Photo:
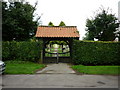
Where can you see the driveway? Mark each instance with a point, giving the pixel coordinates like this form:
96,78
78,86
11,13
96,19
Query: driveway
59,76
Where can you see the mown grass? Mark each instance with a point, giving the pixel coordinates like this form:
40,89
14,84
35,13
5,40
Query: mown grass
59,51
22,67
53,55
102,70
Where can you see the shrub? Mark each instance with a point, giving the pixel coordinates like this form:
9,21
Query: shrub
95,52
5,50
25,50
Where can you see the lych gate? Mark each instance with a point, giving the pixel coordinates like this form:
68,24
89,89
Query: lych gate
57,42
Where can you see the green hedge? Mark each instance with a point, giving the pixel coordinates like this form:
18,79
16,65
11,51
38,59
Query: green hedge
25,50
96,53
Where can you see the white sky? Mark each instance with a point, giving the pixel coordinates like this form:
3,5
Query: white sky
72,12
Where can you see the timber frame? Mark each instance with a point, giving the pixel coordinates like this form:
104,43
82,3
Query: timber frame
68,40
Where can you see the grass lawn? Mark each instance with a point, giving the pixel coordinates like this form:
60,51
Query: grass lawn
22,67
59,51
104,70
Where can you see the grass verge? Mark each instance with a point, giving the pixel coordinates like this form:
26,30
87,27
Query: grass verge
102,70
22,67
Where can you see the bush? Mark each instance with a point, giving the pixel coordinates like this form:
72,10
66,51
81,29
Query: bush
25,50
95,53
5,50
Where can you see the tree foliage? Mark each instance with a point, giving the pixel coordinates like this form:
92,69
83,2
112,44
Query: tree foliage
62,23
102,27
17,21
50,24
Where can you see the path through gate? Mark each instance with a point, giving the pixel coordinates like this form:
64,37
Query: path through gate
57,52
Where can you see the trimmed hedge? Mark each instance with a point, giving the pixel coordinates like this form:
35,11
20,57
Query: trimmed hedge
25,51
95,53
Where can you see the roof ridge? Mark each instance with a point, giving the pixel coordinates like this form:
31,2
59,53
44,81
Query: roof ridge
58,26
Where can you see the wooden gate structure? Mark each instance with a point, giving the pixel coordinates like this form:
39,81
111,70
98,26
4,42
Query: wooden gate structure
57,33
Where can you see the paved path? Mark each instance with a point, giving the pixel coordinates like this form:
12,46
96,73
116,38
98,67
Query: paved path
59,76
61,68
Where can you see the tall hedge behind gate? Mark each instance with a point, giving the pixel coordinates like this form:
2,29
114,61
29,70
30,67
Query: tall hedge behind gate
96,53
26,51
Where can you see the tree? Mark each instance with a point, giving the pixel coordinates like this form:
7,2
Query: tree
88,36
102,27
17,21
62,23
50,24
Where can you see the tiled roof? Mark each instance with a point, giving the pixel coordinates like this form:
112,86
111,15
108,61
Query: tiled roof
57,31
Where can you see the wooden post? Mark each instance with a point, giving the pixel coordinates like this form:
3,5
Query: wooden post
41,59
57,57
50,47
70,45
43,54
62,47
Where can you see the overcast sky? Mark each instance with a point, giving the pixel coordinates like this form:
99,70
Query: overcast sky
72,12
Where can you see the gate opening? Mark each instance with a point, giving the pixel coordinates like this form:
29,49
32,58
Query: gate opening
57,51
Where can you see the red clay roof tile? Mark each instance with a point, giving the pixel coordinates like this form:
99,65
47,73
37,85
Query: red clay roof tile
57,31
